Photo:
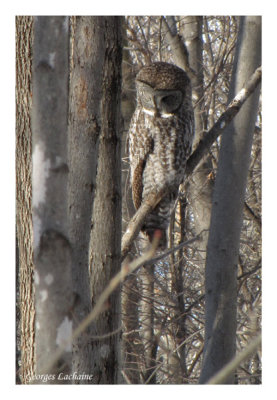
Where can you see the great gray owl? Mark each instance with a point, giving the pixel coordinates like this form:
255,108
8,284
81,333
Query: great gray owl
160,139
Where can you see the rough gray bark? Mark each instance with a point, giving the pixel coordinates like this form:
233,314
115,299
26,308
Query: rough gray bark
105,254
52,251
84,123
227,210
24,230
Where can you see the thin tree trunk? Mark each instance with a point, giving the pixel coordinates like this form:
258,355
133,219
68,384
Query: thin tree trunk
227,211
52,250
105,246
179,315
132,347
24,230
147,323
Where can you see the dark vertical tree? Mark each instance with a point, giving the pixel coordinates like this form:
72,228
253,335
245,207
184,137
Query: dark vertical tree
105,254
84,129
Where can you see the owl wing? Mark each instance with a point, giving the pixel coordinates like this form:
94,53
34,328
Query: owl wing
141,145
137,183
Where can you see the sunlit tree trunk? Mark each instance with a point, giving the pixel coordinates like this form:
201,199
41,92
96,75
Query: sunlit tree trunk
227,210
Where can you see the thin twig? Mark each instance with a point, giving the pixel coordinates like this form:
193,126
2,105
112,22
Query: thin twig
105,336
174,249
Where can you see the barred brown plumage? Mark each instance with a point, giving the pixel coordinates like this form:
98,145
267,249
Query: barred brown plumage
160,139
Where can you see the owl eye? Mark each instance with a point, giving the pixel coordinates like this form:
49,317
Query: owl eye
169,102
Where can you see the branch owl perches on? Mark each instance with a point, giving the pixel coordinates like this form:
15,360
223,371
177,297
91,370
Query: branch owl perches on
160,140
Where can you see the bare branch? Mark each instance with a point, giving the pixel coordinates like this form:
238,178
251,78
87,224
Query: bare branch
126,377
224,120
174,249
136,222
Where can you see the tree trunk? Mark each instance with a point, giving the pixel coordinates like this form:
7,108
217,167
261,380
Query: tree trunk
227,211
105,254
52,251
85,122
24,229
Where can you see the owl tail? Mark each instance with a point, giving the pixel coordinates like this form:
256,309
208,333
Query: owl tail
159,219
151,232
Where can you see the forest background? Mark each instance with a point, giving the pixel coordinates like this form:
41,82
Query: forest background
264,164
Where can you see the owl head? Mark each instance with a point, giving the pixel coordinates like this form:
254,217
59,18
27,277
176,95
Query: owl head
162,89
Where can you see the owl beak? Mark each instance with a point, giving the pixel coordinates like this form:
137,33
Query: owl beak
156,108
